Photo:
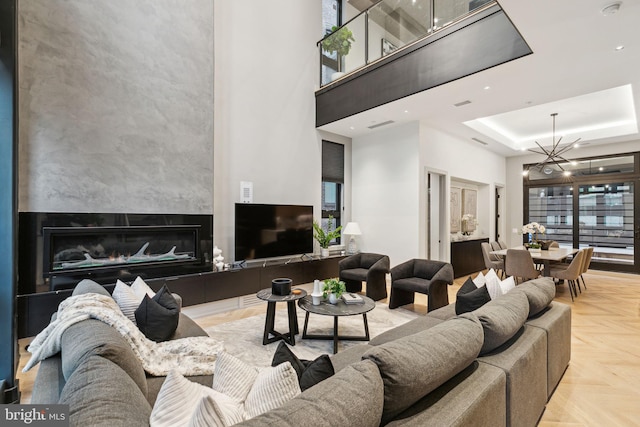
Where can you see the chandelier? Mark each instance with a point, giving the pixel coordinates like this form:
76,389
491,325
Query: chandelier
554,155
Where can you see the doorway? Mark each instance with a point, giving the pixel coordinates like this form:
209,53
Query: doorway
436,230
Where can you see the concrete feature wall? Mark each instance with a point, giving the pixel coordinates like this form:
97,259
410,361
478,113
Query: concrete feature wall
116,106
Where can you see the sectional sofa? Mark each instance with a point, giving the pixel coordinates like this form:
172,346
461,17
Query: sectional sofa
495,366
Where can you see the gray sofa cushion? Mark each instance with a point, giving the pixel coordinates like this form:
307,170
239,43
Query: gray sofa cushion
99,393
540,292
555,320
413,366
346,357
411,327
443,313
352,397
93,337
524,360
86,286
501,318
474,397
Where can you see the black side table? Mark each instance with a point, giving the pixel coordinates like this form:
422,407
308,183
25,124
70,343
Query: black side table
271,299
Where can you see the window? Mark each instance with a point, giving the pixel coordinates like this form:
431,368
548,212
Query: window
332,183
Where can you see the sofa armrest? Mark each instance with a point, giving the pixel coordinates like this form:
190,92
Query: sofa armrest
49,382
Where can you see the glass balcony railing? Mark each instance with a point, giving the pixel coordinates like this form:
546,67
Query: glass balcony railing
385,27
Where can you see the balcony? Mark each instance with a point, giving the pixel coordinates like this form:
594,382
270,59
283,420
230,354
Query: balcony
397,48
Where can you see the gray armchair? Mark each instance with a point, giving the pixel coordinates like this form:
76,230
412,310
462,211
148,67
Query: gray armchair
366,267
423,276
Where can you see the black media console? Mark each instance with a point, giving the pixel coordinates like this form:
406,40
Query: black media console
35,310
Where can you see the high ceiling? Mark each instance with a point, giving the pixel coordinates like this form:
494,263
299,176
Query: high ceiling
575,71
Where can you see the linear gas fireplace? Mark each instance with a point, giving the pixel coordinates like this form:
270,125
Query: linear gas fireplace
57,250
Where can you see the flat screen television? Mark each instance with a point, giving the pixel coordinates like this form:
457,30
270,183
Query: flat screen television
267,231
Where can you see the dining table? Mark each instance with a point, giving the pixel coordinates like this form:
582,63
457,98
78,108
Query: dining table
545,257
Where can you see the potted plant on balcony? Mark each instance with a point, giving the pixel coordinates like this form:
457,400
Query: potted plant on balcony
323,237
333,288
338,41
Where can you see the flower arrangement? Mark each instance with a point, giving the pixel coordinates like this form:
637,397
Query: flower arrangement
534,228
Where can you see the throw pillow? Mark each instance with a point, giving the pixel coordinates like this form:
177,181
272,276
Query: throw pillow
261,390
140,288
310,372
273,387
126,299
157,318
470,298
493,284
183,402
479,280
507,284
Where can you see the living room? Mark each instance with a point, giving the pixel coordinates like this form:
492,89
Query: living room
155,108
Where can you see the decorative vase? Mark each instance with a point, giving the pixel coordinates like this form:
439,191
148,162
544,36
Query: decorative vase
324,252
333,298
316,295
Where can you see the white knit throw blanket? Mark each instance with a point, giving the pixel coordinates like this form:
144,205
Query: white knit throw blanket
189,356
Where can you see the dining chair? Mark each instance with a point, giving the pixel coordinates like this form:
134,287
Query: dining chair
503,244
492,261
570,273
519,264
585,265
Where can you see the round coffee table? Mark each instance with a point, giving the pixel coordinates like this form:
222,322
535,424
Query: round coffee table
272,299
336,310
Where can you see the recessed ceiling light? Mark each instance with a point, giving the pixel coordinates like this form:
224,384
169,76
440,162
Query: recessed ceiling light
406,111
487,87
600,168
611,9
567,173
351,127
619,48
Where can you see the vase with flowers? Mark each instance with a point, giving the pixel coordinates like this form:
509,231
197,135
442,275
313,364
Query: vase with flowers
532,229
468,224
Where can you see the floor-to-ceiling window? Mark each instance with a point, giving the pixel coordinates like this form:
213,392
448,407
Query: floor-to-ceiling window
597,205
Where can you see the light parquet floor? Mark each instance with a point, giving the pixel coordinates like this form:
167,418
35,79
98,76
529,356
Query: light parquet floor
600,386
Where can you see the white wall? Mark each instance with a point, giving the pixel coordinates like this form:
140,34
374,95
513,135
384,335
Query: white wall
468,164
513,191
386,181
266,71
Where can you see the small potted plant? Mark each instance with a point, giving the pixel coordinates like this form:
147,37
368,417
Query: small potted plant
323,237
333,288
339,41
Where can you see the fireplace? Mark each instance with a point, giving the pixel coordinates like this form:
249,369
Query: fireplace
56,250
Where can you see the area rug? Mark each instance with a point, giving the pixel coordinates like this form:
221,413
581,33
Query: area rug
243,338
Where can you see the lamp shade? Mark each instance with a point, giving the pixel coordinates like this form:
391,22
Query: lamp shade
352,229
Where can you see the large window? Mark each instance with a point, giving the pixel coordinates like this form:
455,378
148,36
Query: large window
332,183
596,206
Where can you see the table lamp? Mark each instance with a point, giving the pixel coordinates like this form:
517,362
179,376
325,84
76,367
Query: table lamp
352,229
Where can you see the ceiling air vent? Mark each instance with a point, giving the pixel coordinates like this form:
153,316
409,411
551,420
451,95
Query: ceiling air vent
479,141
377,125
461,103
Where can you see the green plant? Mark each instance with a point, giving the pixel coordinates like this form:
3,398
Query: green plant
325,237
338,41
333,286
